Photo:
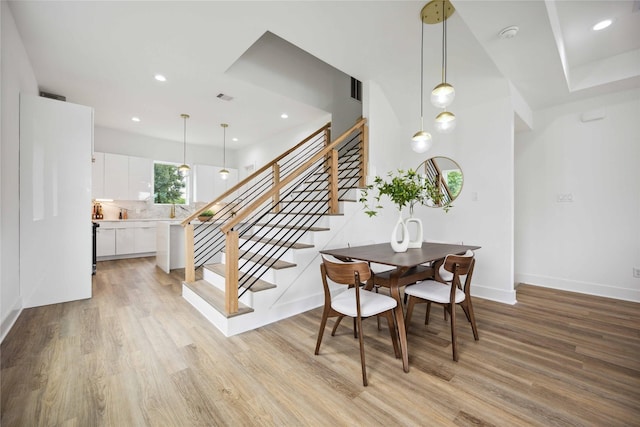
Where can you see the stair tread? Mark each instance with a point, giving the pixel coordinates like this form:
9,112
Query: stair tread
215,297
295,245
265,260
259,285
294,227
309,213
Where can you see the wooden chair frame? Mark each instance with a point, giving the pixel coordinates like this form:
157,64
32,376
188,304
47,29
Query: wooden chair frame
459,266
351,274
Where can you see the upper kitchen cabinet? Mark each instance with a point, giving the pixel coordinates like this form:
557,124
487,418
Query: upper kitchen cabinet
116,176
97,176
120,177
140,178
207,184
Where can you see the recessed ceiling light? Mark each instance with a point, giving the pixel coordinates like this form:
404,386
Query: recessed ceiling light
135,119
602,25
284,115
160,78
234,139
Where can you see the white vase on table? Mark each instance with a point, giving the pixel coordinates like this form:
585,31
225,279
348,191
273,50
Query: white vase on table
415,239
402,245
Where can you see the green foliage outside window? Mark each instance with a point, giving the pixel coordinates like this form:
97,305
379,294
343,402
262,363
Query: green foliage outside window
168,185
454,182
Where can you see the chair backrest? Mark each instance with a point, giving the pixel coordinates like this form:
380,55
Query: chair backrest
346,273
461,265
447,274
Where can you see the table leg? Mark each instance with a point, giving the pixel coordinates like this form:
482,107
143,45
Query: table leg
402,333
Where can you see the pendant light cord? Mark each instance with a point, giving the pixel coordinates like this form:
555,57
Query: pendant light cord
184,151
224,147
421,73
444,43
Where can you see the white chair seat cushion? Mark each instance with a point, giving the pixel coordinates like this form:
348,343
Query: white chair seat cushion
370,303
433,291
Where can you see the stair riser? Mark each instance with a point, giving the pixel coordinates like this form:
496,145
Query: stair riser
218,282
270,274
297,220
267,249
279,233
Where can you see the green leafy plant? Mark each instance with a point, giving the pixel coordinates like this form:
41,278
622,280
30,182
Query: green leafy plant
403,188
206,215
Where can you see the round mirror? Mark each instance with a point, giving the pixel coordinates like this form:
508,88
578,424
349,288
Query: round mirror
446,174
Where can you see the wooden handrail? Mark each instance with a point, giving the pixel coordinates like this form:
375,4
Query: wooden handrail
253,175
283,183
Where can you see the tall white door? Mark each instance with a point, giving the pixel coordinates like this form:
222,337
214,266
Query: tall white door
55,201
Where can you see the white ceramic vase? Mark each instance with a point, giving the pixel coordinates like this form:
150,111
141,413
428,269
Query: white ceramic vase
400,246
415,239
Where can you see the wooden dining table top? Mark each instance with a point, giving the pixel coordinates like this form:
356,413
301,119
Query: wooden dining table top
382,253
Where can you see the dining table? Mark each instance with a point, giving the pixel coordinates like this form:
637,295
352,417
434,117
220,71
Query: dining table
409,267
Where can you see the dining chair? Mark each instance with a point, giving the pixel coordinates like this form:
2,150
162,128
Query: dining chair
449,294
375,269
354,302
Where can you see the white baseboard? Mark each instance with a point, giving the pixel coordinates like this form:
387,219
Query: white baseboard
10,319
596,289
493,294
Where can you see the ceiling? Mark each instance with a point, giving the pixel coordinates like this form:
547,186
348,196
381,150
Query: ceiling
105,55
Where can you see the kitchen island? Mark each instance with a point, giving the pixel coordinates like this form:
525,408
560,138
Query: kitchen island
169,245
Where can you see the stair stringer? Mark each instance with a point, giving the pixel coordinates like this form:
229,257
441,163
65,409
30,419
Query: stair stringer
298,289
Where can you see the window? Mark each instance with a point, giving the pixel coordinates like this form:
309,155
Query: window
168,185
356,89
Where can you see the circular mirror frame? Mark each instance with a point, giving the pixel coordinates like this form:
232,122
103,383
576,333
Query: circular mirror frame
434,169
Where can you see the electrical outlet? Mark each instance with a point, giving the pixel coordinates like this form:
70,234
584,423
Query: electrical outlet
636,273
564,198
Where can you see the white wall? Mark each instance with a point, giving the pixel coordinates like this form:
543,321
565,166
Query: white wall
17,76
270,148
483,146
119,142
590,244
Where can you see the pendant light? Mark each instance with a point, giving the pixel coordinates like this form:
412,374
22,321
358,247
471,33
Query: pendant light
184,168
224,173
443,94
421,140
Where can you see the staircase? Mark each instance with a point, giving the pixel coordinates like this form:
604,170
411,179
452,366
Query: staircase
259,257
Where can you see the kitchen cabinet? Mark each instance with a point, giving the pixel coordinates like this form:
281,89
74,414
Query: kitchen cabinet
116,176
120,177
207,184
97,176
125,239
140,178
145,237
105,241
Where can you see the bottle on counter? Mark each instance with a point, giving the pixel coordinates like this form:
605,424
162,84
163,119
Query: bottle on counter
125,215
120,214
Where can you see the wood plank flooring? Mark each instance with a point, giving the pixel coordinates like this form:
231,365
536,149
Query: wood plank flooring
137,354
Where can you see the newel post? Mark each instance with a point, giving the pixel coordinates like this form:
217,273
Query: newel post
333,182
231,273
189,262
364,155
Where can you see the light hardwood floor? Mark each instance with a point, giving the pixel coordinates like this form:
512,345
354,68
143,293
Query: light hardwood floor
137,354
